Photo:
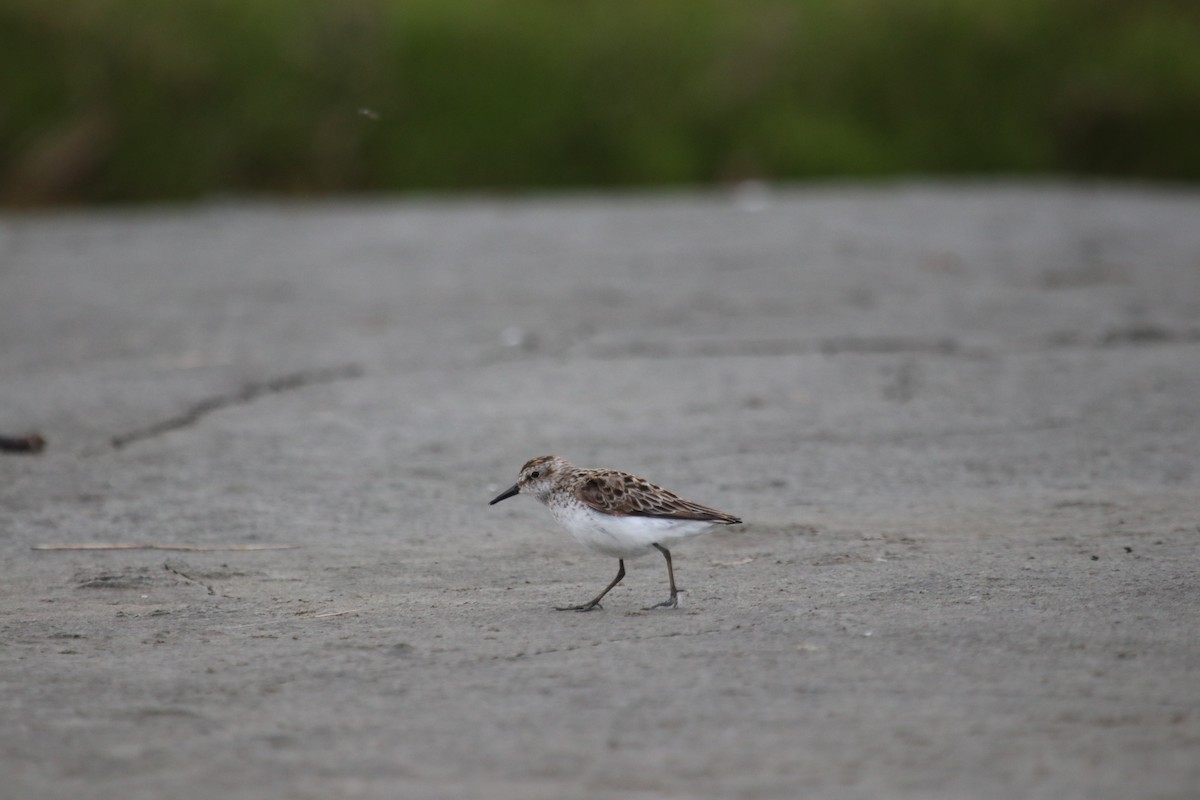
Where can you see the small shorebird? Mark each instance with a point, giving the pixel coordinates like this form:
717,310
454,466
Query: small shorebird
614,513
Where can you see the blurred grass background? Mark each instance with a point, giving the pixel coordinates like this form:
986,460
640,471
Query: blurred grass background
143,100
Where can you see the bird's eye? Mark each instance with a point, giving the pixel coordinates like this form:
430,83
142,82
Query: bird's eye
535,474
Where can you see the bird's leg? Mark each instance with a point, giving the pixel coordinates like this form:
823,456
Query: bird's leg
595,603
673,600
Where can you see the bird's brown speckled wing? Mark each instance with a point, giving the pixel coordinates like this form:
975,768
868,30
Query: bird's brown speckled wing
624,495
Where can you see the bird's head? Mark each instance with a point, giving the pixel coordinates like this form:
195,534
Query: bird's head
538,477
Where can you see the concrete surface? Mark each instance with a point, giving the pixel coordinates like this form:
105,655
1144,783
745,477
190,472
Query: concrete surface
962,423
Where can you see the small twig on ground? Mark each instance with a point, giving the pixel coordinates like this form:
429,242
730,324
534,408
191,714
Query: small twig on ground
167,566
192,548
29,443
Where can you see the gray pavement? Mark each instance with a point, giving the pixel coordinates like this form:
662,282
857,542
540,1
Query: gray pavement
962,423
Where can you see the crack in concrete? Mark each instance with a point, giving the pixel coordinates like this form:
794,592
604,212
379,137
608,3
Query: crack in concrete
248,393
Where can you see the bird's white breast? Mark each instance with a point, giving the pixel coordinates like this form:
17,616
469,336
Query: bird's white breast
622,537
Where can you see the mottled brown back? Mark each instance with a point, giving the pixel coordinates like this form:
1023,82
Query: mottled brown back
621,494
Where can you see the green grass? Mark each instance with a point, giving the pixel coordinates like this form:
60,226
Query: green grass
138,100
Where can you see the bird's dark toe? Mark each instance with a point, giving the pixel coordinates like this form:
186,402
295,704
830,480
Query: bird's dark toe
584,607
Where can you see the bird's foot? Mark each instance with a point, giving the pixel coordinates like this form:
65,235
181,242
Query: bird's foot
585,607
670,602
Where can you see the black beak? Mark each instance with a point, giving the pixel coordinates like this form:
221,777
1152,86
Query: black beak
506,494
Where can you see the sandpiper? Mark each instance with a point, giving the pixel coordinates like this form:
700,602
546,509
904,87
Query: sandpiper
614,513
